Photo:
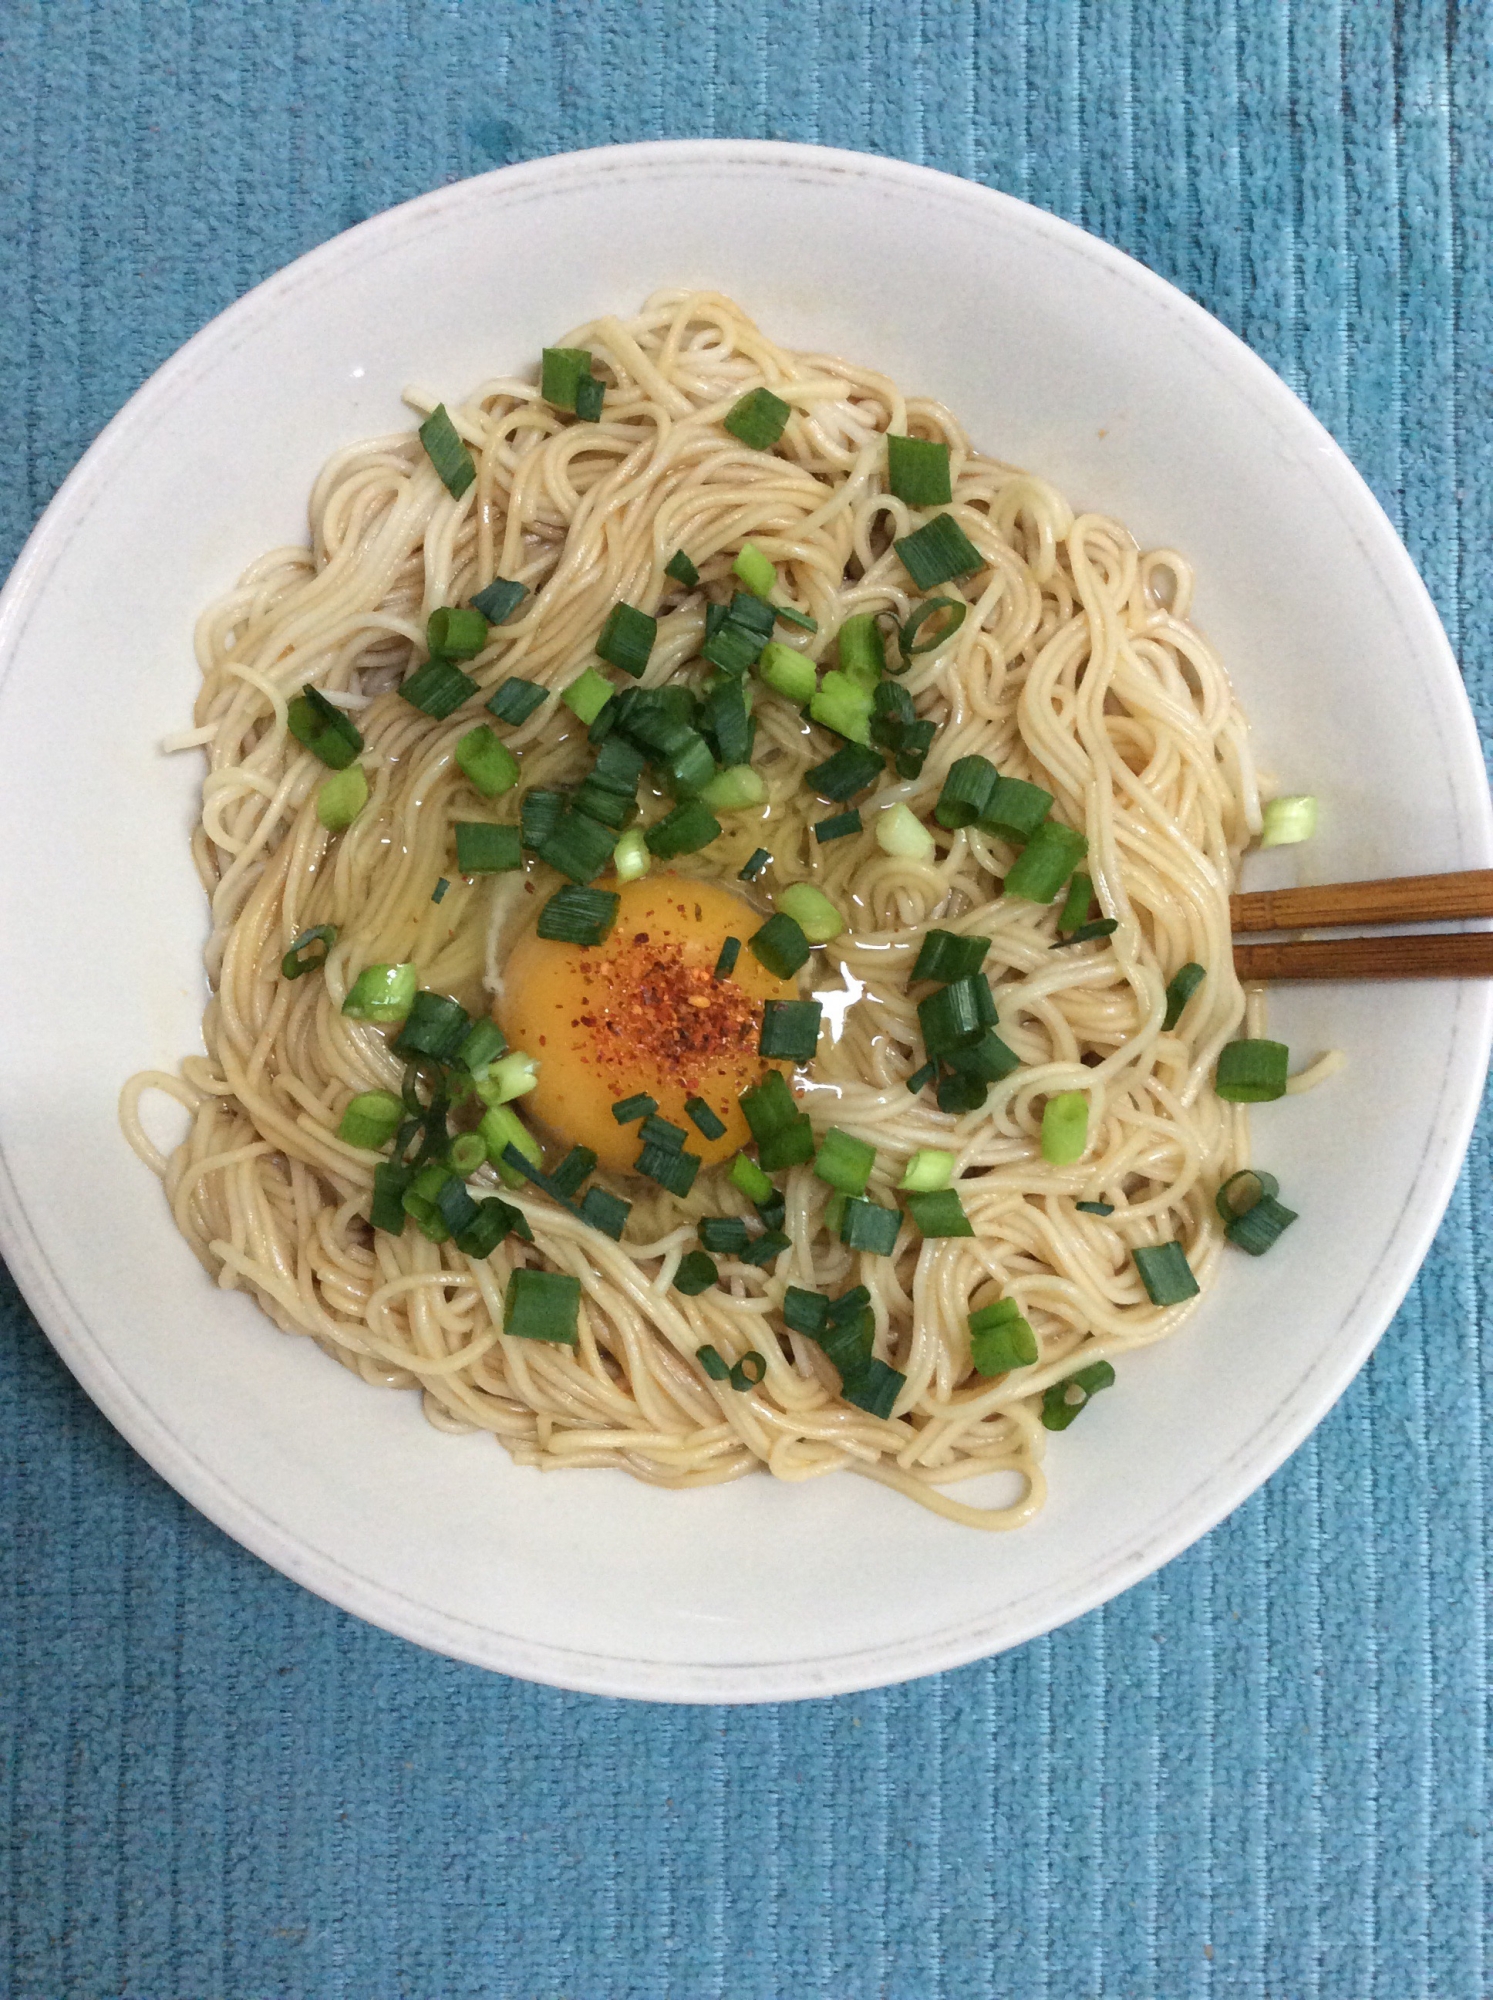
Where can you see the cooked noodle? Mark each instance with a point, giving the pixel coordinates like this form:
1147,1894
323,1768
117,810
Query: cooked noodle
1075,668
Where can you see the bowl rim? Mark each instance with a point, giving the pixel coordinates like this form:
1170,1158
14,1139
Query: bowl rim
1218,1493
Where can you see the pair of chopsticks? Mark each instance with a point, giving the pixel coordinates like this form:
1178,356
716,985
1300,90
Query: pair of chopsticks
1412,899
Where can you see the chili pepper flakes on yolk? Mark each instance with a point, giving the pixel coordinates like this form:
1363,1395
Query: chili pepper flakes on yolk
643,1012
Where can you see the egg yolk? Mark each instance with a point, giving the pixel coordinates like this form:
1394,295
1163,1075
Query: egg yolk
643,1012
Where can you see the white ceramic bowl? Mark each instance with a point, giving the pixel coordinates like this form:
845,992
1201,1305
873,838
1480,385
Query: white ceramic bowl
1058,353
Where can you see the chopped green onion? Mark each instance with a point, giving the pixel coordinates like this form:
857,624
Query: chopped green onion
813,912
371,1119
514,700
1101,927
852,769
755,571
324,729
893,712
790,1029
542,1305
921,1078
438,893
499,600
732,647
630,856
342,797
629,1108
958,1093
485,1042
1165,1273
768,1106
793,1146
732,790
749,1371
573,1169
561,372
949,956
436,1025
929,1169
606,1212
590,394
867,1226
940,1213
682,569
837,826
575,915
455,633
844,1162
656,718
703,1118
299,959
674,1171
780,945
712,1363
446,452
483,849
1095,1207
1062,1401
382,993
767,1249
900,833
987,1059
874,1388
967,791
619,765
748,1178
788,672
1065,1128
521,1162
805,1311
862,649
801,619
726,721
656,1131
956,1014
724,1235
490,765
912,752
1258,1228
951,614
754,865
685,830
612,809
757,418
438,689
843,703
390,1184
421,1201
627,637
848,1304
1251,1072
1288,820
725,965
938,551
1185,982
918,470
1015,809
468,1153
689,766
502,1129
493,1221
511,1076
1242,1191
834,1213
578,846
1080,899
588,695
1001,1339
751,614
1046,862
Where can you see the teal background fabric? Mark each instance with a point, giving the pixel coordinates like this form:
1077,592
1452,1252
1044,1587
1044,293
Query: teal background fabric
1261,1773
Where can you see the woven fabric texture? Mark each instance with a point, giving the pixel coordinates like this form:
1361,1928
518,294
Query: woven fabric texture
1262,1773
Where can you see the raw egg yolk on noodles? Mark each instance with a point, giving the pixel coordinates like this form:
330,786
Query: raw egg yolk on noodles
643,1013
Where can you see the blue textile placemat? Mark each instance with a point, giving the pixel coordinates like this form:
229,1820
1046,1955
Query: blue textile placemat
1262,1773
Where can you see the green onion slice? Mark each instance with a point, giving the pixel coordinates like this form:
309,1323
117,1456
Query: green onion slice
605,1211
515,700
301,958
755,570
324,729
485,849
672,1170
703,1118
712,1363
1062,1402
489,764
790,1030
543,1305
371,1119
1251,1072
837,826
1288,820
1165,1273
929,1169
867,1226
1260,1226
438,689
561,372
757,419
1065,1128
682,569
940,1213
576,915
685,830
937,552
953,616
780,945
1184,983
499,600
754,865
631,1108
813,912
627,637
853,768
749,1370
918,470
446,452
748,1178
948,956
1242,1191
382,993
1046,862
724,1235
844,1162
455,633
725,965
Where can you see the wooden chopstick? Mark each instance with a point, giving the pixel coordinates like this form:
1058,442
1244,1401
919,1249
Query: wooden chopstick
1440,955
1411,899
